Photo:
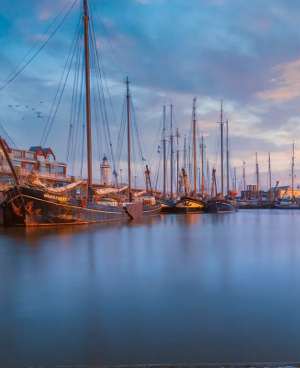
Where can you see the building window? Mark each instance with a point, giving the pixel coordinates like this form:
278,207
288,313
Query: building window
60,169
29,155
29,166
17,153
16,163
42,168
50,157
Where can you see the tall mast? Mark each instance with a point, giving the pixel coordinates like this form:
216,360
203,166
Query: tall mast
87,93
270,177
177,162
164,149
257,178
293,163
190,169
207,176
202,166
9,161
235,178
222,163
128,139
184,153
194,138
227,159
171,151
244,179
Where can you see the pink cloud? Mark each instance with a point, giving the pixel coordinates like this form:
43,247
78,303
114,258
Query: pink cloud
45,14
286,84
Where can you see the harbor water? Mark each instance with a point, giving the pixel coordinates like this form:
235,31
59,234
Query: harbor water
170,289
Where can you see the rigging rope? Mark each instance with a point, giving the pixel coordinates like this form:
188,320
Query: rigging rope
40,49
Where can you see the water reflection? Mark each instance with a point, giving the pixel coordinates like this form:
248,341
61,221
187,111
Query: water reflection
170,289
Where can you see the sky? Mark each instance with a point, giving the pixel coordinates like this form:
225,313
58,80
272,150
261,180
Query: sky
245,53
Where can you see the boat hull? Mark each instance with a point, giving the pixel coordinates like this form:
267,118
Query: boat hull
24,206
286,207
218,205
257,206
185,205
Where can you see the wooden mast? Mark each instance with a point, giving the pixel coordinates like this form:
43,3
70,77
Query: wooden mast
164,149
171,108
235,178
222,163
184,153
227,159
270,177
257,178
194,139
128,139
177,163
202,166
88,94
17,181
244,179
208,177
184,159
293,163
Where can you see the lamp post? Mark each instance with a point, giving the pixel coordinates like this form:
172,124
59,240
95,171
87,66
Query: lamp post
121,175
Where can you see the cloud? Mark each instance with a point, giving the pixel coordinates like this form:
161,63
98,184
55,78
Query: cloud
150,1
286,85
45,14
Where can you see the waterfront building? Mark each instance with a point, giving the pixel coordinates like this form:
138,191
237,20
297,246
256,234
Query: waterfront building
251,192
42,160
105,171
284,192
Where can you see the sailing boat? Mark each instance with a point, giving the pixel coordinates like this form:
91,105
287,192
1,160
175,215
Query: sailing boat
259,204
186,203
286,204
148,205
35,204
218,203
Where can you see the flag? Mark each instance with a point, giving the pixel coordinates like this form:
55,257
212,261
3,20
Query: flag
144,159
115,173
177,134
159,147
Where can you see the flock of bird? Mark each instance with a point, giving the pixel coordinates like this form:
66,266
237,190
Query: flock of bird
38,112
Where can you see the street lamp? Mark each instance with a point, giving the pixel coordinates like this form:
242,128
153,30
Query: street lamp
121,175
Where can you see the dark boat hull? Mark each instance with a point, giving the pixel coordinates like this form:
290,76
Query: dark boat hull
26,206
286,207
219,205
185,205
257,206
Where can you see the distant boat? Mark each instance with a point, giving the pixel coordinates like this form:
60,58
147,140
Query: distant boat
218,203
286,205
258,203
289,204
185,203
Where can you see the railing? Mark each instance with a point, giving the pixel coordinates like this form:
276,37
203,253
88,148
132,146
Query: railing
44,174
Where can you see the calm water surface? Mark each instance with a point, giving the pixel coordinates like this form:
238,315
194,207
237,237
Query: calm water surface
171,289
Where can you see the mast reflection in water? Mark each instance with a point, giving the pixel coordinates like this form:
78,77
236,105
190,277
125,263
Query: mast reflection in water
171,289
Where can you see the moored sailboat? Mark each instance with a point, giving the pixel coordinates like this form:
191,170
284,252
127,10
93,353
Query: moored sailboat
185,203
218,203
34,203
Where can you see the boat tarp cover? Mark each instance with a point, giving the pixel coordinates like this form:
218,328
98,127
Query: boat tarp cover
102,191
139,193
33,180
